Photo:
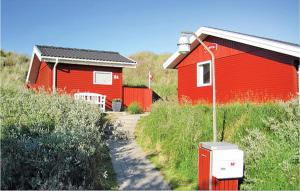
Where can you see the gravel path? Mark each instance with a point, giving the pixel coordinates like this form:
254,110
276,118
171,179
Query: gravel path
134,171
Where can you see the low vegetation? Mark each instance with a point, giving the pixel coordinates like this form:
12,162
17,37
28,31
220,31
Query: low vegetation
267,133
49,141
164,82
134,108
13,69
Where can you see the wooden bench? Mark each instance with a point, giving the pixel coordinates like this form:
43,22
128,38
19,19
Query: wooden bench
93,98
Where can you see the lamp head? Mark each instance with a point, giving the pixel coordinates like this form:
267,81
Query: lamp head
184,44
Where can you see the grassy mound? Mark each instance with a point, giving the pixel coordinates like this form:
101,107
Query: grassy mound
13,69
164,82
267,133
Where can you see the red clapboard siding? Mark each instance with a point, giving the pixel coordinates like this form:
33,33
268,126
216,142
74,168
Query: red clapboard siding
41,75
143,96
242,73
203,168
79,78
44,79
226,184
35,67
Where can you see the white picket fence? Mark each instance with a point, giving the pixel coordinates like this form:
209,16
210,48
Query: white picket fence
93,98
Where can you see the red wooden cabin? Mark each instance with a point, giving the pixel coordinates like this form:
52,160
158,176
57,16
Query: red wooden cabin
247,68
78,70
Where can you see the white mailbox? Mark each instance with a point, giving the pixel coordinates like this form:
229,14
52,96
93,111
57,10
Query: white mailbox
227,163
226,160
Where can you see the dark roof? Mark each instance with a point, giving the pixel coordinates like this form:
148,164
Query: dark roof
98,55
284,42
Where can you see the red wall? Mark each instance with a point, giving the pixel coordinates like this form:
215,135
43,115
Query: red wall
242,73
141,95
44,77
41,75
75,78
78,78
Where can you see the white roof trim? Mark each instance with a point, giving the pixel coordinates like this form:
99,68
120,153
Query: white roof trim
89,62
36,52
203,32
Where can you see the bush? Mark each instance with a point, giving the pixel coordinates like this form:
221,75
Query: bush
267,133
134,108
52,142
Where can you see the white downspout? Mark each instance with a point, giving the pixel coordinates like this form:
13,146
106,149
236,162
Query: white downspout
215,133
54,76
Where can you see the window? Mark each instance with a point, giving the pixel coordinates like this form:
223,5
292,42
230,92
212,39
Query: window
103,78
204,74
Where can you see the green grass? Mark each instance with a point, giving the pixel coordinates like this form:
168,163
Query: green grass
13,70
268,134
134,108
164,82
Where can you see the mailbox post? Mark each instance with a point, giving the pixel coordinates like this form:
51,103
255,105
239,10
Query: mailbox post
220,165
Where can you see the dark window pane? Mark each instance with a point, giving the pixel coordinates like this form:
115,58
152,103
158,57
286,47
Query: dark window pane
206,73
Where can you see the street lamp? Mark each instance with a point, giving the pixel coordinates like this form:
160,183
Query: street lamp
184,46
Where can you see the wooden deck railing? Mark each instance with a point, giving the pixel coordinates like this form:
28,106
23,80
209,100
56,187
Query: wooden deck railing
93,98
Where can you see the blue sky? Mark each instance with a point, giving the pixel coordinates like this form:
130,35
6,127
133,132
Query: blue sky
130,26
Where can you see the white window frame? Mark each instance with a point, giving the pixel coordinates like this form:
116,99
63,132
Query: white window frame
201,76
102,72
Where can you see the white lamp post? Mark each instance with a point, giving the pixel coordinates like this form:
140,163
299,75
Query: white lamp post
184,47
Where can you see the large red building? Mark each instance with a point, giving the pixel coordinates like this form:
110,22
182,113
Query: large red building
78,70
247,68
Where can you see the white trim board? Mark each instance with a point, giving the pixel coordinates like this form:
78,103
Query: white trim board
201,72
203,32
36,52
89,62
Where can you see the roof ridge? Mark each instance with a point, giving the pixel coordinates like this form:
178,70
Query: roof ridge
80,49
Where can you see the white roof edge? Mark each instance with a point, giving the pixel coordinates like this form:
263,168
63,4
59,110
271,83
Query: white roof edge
168,62
202,32
89,62
35,51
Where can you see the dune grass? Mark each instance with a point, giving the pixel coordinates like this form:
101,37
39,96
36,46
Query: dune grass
13,70
164,82
267,133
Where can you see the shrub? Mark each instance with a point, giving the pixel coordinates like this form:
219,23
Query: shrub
134,108
117,100
52,142
267,133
